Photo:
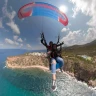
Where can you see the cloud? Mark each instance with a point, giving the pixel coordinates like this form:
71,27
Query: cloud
87,7
9,41
75,10
65,29
14,27
20,40
92,21
91,35
15,37
29,46
79,37
10,16
16,43
74,37
21,45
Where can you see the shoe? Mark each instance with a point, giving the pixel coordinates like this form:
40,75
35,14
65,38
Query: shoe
61,70
54,87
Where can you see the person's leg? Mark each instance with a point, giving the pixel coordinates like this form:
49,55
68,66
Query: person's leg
53,70
61,63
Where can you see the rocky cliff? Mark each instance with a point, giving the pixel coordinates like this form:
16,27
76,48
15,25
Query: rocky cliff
84,71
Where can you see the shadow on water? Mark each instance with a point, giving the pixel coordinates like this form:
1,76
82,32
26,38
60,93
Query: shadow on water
34,80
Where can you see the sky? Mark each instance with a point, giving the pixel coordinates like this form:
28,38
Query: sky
25,34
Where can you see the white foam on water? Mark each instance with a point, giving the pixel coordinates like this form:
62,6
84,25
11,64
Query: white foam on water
69,86
4,67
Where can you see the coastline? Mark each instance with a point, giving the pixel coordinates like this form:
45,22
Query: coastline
28,60
27,67
36,60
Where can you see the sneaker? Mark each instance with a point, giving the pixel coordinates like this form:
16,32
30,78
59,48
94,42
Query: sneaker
61,70
54,87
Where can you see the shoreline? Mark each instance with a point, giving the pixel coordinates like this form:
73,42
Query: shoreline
44,69
31,61
27,67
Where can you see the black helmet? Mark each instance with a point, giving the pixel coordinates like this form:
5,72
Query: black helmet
50,42
54,46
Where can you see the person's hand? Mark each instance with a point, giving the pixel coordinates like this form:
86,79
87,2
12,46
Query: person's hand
62,42
42,35
41,40
49,52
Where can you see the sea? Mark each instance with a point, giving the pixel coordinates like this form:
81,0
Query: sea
36,82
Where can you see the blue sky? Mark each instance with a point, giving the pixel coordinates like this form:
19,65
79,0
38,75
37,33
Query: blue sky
25,34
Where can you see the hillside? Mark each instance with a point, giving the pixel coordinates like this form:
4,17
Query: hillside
87,49
82,68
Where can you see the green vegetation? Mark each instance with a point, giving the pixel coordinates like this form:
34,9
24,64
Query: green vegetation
87,49
83,69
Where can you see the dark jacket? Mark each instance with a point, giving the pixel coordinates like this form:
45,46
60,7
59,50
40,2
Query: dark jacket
56,52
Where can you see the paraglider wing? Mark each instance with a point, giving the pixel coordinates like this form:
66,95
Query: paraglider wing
22,13
42,9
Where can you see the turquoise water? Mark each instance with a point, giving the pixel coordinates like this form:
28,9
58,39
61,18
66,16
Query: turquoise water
24,82
35,82
30,82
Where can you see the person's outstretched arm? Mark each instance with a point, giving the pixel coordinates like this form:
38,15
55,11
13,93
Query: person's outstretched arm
60,44
58,39
43,41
